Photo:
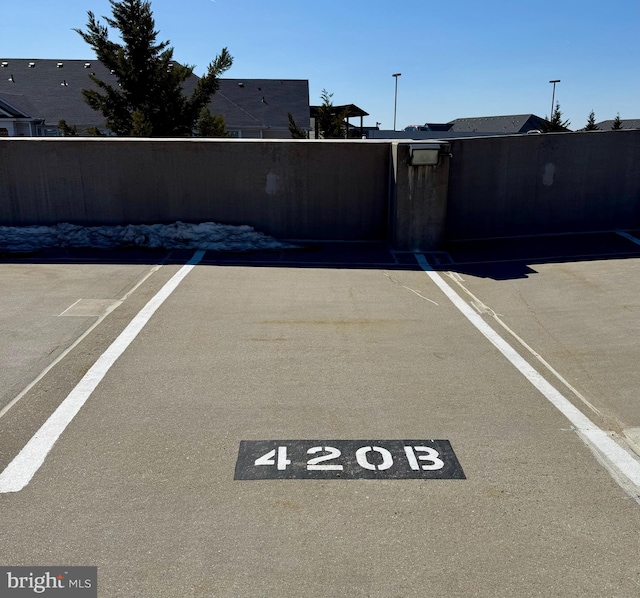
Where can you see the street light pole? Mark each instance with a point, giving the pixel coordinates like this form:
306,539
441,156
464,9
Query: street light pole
395,104
553,96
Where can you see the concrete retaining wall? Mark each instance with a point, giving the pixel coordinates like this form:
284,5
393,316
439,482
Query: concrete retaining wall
292,190
331,190
538,184
418,197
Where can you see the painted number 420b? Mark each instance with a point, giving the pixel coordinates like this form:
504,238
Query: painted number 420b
347,459
418,457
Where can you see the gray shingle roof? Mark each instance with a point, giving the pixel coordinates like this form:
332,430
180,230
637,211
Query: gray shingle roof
251,103
18,106
439,126
628,123
53,93
517,123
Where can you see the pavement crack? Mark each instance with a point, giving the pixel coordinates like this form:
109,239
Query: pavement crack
398,283
485,310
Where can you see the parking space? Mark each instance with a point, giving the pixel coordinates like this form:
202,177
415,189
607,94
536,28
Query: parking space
353,358
45,308
575,312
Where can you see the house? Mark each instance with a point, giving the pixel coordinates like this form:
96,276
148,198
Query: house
15,119
517,124
629,123
259,108
497,125
35,94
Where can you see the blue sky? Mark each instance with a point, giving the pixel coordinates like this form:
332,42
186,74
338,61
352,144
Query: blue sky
458,58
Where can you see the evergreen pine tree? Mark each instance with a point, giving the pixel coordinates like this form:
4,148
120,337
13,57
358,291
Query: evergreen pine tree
556,124
617,123
146,96
591,122
295,130
67,130
140,125
209,125
95,132
331,123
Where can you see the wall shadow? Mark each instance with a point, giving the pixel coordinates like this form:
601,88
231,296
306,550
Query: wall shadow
498,259
504,259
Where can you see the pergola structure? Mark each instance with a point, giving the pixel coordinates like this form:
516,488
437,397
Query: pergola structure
349,110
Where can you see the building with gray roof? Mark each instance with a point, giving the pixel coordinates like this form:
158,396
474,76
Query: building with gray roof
498,125
35,94
260,107
516,124
628,123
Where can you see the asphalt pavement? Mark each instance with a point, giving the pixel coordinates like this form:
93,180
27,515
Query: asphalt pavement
338,420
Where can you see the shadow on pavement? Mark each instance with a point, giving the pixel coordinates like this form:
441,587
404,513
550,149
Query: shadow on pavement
503,259
499,259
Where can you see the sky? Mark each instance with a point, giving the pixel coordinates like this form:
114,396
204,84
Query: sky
457,58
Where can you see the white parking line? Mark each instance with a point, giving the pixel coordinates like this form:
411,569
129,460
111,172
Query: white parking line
623,467
27,462
483,309
71,347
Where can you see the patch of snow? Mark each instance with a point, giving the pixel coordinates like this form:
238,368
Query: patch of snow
179,235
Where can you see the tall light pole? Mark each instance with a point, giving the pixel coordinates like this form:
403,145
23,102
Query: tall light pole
395,103
553,96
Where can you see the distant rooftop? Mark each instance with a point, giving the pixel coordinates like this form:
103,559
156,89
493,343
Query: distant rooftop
51,90
628,123
512,124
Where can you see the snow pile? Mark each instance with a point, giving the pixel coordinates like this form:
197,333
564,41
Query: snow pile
180,235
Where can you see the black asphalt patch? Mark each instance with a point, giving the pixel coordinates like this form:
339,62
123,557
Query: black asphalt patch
347,460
